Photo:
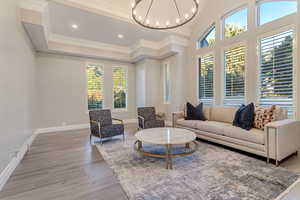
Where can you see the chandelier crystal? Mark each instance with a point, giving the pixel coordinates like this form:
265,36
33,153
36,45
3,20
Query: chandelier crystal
164,14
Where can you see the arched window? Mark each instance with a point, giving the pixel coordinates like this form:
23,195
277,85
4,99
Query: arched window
271,10
208,38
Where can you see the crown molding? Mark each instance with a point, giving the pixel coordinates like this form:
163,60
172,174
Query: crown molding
36,23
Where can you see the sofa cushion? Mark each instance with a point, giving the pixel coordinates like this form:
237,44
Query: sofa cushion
206,112
263,116
222,113
244,117
225,129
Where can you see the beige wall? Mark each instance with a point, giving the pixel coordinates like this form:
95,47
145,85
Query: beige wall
62,88
17,83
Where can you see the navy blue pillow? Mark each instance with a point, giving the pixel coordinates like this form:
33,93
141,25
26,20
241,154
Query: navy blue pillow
244,117
194,113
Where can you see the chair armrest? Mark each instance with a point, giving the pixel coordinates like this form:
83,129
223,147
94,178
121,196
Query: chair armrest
176,116
142,119
95,122
284,136
120,120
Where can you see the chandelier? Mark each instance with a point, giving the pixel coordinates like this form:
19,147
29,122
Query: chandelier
164,14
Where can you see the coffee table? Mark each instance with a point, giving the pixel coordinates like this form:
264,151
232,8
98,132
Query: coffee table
166,137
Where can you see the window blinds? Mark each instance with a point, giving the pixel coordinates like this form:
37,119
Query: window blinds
235,75
119,87
95,86
276,70
206,79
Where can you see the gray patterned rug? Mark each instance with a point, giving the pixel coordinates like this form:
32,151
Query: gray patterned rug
211,173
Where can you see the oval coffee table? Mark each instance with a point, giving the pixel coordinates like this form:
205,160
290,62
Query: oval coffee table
166,137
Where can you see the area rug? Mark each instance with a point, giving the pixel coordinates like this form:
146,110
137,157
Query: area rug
211,173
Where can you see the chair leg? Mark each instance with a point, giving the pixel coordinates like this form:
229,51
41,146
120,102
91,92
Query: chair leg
90,138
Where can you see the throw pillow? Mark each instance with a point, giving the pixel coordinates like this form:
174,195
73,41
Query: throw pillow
237,116
194,113
244,117
263,115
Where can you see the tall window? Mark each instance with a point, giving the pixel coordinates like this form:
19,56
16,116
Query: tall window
236,23
208,38
272,10
120,87
276,70
206,79
95,86
167,83
235,75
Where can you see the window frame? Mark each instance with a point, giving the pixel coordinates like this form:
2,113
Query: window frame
295,61
205,34
86,81
228,14
223,71
167,64
212,53
126,88
258,16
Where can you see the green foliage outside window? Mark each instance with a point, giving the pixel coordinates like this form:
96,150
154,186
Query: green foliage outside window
95,87
119,87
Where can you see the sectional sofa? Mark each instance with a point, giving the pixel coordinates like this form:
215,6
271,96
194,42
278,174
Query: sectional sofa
278,140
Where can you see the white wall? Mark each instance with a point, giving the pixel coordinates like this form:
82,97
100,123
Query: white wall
213,13
62,90
17,83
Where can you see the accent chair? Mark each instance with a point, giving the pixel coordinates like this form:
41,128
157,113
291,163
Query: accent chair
148,119
101,125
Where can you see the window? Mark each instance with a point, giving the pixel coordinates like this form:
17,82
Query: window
95,86
235,75
276,70
120,87
209,38
167,83
272,10
236,23
206,79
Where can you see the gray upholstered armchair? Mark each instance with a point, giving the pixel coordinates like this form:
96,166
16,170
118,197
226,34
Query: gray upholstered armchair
147,118
101,124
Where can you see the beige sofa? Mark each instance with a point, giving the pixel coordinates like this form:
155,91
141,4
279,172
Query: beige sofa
279,140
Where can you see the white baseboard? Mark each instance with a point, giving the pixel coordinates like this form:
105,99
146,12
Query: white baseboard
7,172
74,127
62,128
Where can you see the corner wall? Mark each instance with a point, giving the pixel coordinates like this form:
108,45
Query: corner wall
17,83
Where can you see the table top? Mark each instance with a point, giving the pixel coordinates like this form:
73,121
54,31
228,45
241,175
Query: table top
164,136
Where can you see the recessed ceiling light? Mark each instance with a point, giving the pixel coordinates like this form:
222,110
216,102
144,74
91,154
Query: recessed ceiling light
75,26
120,36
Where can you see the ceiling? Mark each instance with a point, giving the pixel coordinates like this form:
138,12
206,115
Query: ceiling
100,28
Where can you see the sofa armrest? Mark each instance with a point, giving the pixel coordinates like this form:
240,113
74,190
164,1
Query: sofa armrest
284,138
176,116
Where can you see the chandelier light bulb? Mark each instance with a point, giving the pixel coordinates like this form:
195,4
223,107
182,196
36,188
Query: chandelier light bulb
132,4
147,21
193,10
177,20
134,12
167,23
157,23
140,18
186,16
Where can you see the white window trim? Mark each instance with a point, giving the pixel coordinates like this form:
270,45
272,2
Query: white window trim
86,85
228,14
116,110
223,69
164,81
214,78
295,60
